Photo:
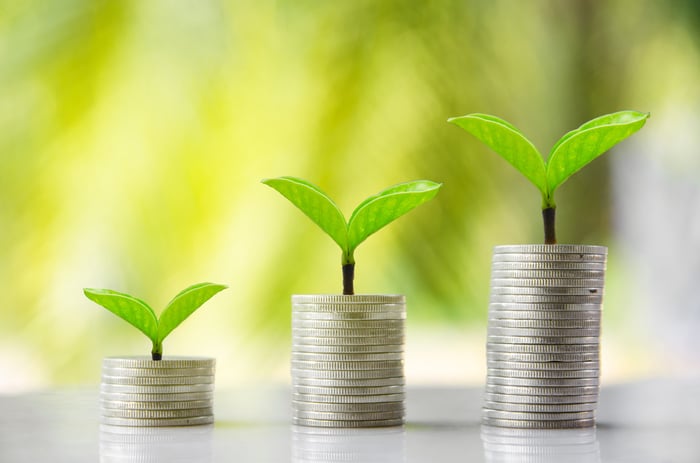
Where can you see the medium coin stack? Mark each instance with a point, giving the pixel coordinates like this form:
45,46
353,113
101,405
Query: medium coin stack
347,360
543,347
138,391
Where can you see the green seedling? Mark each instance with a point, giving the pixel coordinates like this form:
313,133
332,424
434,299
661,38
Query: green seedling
371,215
141,315
570,154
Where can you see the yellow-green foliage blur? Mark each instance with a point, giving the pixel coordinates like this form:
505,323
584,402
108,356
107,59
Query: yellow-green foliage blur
134,134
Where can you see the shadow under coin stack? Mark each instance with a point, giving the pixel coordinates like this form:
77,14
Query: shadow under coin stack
543,336
137,391
347,360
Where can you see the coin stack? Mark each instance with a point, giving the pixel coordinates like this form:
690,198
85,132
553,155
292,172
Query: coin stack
543,336
347,360
137,391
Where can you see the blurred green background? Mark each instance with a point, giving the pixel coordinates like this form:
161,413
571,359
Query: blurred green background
133,135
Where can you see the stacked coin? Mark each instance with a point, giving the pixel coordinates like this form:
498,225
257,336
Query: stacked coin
137,391
543,336
347,360
540,445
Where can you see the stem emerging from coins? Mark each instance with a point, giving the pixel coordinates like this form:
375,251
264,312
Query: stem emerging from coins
548,216
349,279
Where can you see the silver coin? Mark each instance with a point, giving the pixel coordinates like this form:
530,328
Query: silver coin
545,299
348,324
156,414
543,366
157,397
573,274
158,372
155,405
544,332
542,348
157,381
557,340
345,365
336,341
543,391
516,306
353,374
347,333
349,393
350,383
369,349
551,249
170,389
545,291
514,257
542,399
561,424
348,316
348,299
548,265
347,423
321,357
168,362
545,323
498,314
500,414
544,357
324,407
340,398
138,422
541,382
540,408
549,374
544,285
352,308
346,416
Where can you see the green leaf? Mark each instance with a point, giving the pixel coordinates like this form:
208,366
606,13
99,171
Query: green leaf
581,146
509,143
386,206
183,305
133,310
315,204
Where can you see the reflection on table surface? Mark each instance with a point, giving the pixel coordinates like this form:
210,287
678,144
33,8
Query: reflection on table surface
540,445
124,444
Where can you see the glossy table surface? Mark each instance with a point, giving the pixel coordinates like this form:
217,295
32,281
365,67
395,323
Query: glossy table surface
650,421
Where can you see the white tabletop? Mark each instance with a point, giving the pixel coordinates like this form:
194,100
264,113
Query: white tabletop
653,421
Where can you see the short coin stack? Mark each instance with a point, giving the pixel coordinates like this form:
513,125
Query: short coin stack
543,336
347,360
137,391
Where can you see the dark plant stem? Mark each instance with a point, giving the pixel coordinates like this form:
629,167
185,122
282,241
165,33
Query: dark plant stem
348,279
156,356
550,234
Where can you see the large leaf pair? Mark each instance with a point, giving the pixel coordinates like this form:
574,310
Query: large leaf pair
370,216
141,315
569,155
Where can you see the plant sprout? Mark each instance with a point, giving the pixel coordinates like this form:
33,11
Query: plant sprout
141,315
570,154
371,215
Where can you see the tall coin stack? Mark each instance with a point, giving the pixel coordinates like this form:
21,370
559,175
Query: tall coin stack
138,391
347,360
543,346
